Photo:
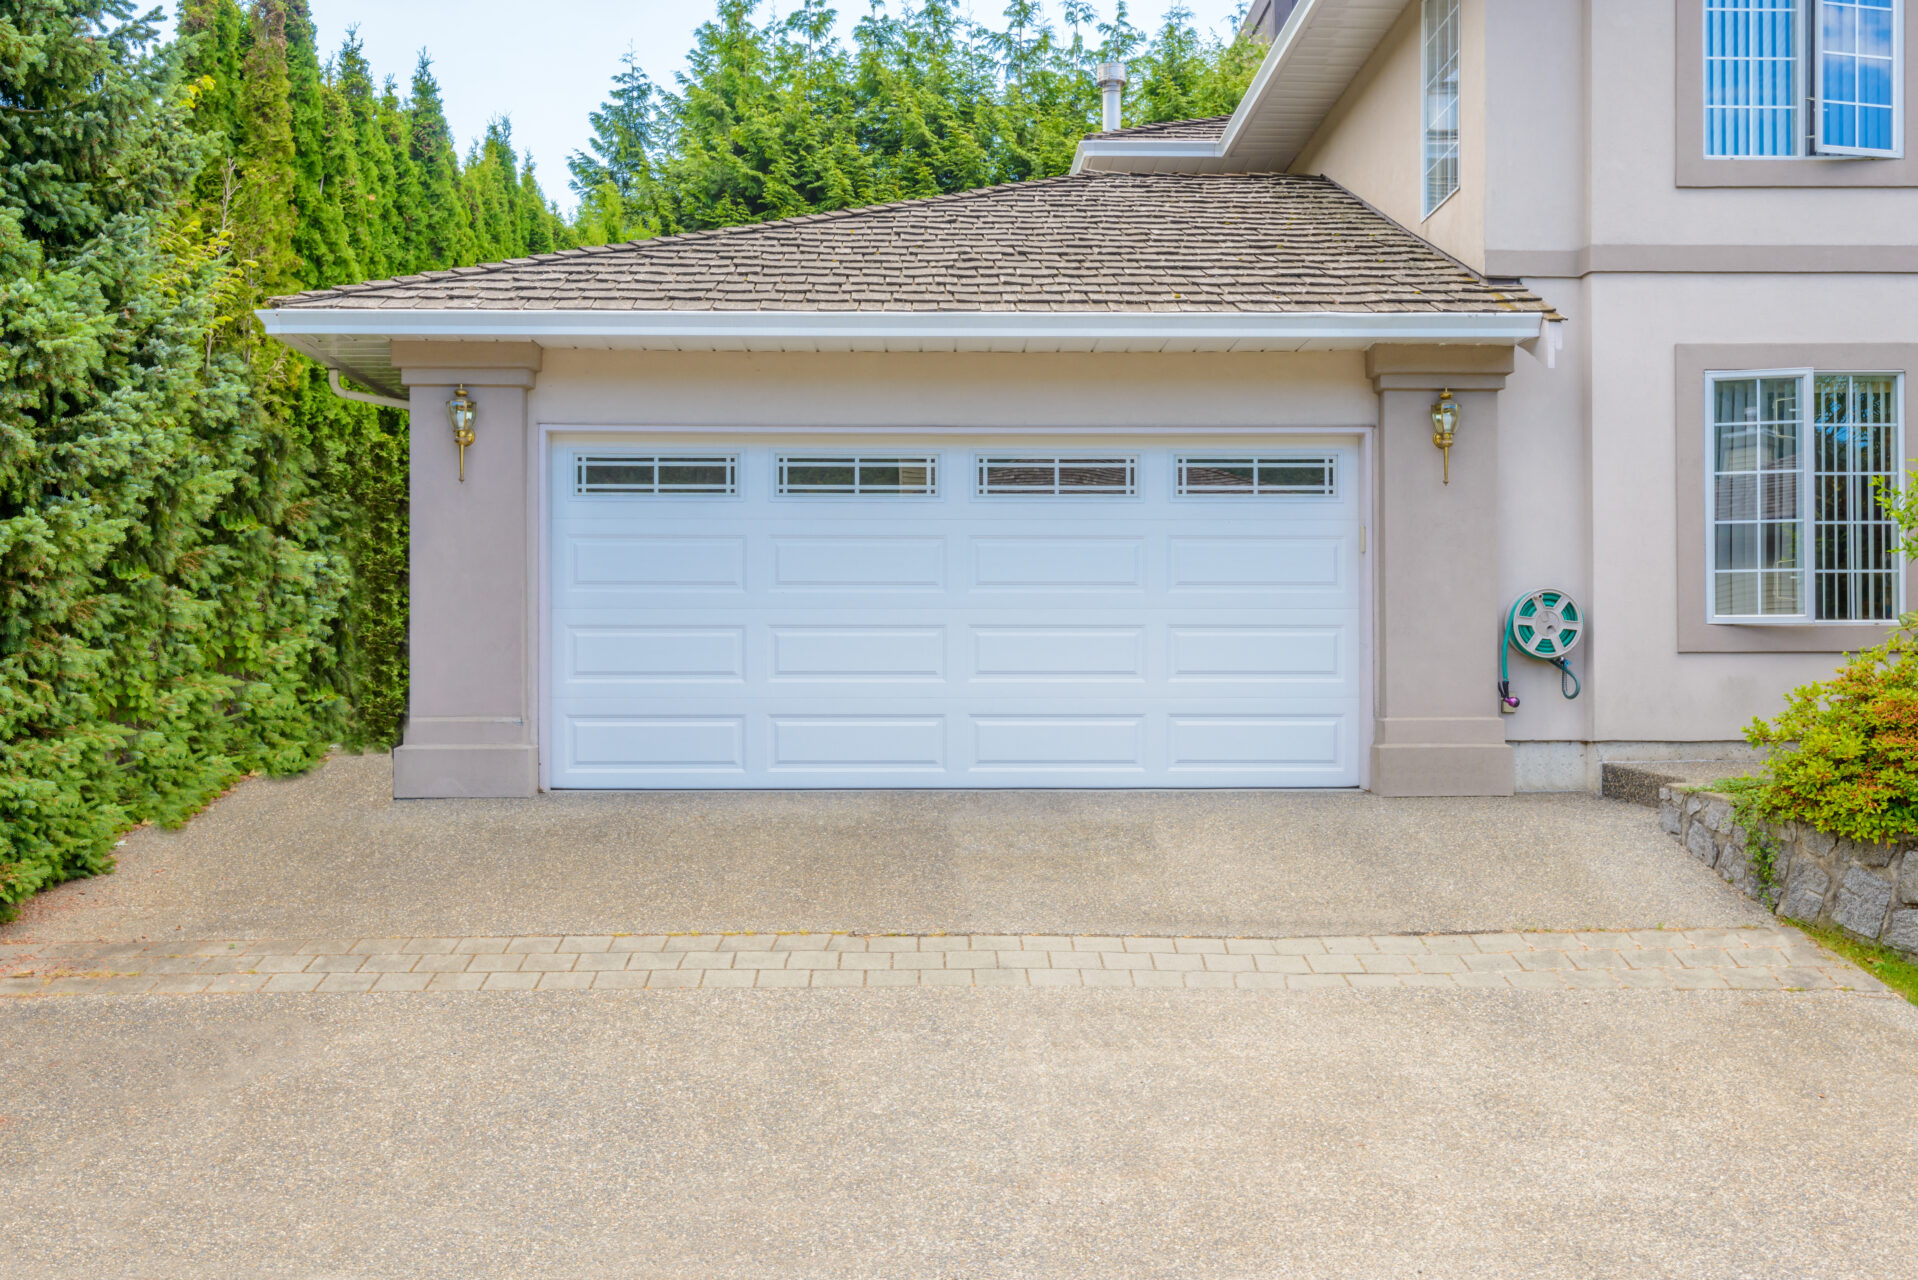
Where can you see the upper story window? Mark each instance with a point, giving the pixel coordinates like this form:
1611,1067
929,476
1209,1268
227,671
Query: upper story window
1798,533
1441,116
1804,77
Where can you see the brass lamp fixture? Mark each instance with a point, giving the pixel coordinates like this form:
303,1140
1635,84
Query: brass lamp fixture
461,410
1444,427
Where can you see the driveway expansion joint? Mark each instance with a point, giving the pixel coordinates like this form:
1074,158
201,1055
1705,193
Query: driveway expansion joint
1750,959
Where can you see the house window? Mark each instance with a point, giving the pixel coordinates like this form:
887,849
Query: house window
861,476
1441,117
1798,533
1288,476
1859,76
1002,476
1843,58
655,474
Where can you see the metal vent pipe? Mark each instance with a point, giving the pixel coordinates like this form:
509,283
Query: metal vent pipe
1112,83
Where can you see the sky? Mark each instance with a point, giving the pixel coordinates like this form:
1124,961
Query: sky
546,65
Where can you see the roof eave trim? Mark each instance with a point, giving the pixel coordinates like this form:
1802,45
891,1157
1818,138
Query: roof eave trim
1120,148
681,327
1262,79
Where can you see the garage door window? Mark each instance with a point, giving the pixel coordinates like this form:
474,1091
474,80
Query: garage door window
622,474
1286,476
858,476
1011,476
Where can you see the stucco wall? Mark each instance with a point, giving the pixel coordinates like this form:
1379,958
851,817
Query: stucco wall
1545,516
1535,130
776,389
1585,171
1371,142
1645,687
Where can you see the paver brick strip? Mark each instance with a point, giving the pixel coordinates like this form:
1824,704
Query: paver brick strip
1759,959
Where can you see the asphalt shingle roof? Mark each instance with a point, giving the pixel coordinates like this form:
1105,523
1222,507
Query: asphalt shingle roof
1209,129
1135,242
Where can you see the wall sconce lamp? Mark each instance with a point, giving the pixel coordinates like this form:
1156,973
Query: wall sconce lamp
1444,427
461,410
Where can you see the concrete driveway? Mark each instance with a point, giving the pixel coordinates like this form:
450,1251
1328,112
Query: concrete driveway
333,854
1560,1105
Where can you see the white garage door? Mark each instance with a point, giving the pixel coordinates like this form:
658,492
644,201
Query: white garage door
905,614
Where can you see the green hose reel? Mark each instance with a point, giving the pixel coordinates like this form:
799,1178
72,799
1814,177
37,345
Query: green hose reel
1546,625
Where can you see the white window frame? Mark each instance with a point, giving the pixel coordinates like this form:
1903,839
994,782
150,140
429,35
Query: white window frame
1806,482
1427,26
1816,134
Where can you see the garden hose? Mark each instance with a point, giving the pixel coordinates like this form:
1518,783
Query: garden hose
1546,625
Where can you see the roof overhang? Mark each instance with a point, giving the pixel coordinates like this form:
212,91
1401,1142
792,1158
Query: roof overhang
358,342
1315,55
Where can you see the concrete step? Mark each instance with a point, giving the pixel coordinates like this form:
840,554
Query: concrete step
1638,781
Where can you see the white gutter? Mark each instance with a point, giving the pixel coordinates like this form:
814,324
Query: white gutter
1174,148
679,328
361,397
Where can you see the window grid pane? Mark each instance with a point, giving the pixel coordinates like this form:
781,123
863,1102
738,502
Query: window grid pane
1751,77
1858,65
1294,476
655,474
1855,444
1757,564
1005,475
858,475
1441,122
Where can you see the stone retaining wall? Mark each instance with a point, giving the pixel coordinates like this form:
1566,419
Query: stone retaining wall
1868,890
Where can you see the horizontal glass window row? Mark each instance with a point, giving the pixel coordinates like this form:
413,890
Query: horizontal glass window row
996,475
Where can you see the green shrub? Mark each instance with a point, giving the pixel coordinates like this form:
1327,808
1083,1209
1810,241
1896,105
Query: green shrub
1845,752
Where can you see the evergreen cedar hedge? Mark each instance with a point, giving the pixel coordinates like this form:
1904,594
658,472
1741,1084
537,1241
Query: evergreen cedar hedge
202,551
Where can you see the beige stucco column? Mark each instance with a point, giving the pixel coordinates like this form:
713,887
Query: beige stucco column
471,714
1436,624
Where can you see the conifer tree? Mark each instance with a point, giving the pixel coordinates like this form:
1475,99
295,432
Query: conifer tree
440,235
627,131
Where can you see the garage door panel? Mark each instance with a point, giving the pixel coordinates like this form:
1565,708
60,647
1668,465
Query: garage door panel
659,563
1058,562
1211,653
1037,742
653,745
1058,653
877,563
835,743
790,641
675,654
887,653
1253,742
1240,562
